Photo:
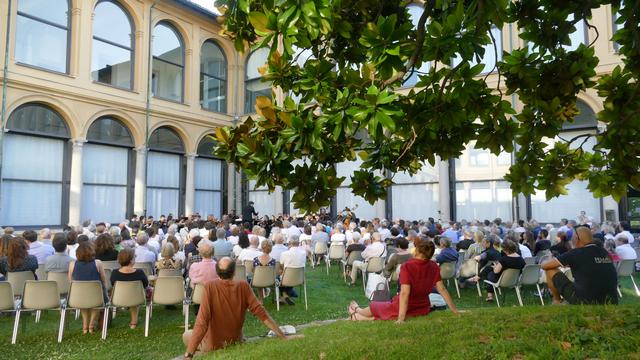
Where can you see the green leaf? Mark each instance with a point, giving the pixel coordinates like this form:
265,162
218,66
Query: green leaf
385,120
259,21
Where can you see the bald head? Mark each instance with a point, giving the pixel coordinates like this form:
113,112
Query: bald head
226,268
582,236
205,250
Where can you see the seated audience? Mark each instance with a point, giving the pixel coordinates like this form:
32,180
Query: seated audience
376,249
467,240
36,248
562,246
222,247
476,248
59,261
623,249
72,243
17,258
418,277
128,273
278,247
205,270
596,280
106,248
541,244
488,255
243,243
87,268
222,312
251,252
167,260
447,253
398,258
610,246
510,260
143,253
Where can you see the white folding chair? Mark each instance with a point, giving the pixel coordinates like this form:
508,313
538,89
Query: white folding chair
531,276
292,277
37,296
168,290
508,279
626,268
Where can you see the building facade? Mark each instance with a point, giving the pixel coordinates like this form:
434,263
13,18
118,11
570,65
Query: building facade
108,107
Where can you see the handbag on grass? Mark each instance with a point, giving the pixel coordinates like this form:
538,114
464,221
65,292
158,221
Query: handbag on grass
373,284
381,293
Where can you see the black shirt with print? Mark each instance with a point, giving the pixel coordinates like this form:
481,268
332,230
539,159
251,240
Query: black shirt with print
596,280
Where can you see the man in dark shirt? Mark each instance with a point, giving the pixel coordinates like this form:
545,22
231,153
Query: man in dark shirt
466,241
248,212
542,243
596,280
447,254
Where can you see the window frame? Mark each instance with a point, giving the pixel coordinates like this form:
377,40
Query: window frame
247,80
182,175
182,67
131,49
49,23
224,80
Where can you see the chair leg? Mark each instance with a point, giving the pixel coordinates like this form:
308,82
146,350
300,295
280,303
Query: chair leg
146,320
306,306
16,324
38,313
457,287
364,281
186,318
540,294
478,287
105,320
634,285
277,295
519,297
619,292
63,312
77,314
327,263
495,296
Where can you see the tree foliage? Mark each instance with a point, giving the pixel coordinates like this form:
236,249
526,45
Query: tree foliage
362,51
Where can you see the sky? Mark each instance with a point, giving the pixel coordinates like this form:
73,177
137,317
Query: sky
207,4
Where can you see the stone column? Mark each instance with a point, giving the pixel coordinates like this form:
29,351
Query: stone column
140,186
190,186
75,188
444,191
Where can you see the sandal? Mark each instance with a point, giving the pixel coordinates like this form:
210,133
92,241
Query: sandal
85,330
91,329
132,326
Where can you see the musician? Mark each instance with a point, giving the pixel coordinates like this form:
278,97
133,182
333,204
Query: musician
248,212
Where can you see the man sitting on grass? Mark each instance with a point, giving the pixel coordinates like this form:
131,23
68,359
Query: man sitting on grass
596,281
222,312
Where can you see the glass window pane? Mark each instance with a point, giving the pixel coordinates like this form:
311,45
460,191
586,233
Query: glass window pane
162,202
255,88
167,80
35,118
208,203
111,64
163,170
415,12
213,93
483,200
31,204
428,173
32,158
110,131
110,22
165,139
41,45
415,202
104,203
207,146
478,164
102,164
208,174
55,11
213,62
167,44
568,206
256,60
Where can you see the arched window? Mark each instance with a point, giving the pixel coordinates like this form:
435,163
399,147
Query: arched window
42,34
254,86
415,12
578,198
113,42
209,180
165,174
167,78
213,78
35,169
106,172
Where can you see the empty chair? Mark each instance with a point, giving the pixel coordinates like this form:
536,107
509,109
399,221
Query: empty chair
248,266
348,262
374,265
41,272
62,279
169,272
128,294
508,279
319,250
18,279
531,276
168,290
7,302
84,295
336,253
240,274
265,277
146,267
530,260
292,277
107,276
37,296
468,269
110,265
196,298
626,268
448,271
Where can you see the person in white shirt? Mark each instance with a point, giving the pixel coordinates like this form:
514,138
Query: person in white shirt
384,231
525,252
279,246
36,248
142,253
623,249
154,240
338,237
376,249
563,226
233,238
295,257
45,236
292,229
624,227
252,251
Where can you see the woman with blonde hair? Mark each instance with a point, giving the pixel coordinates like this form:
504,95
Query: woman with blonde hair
475,249
167,261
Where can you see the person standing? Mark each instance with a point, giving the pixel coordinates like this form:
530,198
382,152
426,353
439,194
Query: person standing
248,212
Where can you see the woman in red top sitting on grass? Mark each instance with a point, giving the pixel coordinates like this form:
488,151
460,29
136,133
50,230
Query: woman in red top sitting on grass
418,276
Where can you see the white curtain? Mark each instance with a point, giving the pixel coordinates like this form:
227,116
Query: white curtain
163,184
344,196
264,203
565,206
415,201
484,200
208,185
27,159
104,175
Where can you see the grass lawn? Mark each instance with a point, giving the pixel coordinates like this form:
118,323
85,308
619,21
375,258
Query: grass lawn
328,299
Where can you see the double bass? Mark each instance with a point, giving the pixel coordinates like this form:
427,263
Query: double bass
348,215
